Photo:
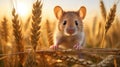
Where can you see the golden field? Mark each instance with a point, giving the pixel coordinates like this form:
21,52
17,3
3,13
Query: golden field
26,43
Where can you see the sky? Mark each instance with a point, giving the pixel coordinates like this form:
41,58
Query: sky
25,6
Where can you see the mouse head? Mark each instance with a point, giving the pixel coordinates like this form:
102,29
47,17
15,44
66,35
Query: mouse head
70,22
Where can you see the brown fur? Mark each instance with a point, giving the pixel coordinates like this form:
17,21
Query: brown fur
74,24
69,17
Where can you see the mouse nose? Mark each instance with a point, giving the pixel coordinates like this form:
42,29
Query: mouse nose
70,30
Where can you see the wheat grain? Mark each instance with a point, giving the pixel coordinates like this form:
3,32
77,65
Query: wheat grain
71,59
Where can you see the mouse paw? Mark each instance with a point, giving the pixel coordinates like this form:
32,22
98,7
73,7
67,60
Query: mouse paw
54,47
77,46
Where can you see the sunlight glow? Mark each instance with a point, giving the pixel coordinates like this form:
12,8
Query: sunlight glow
22,9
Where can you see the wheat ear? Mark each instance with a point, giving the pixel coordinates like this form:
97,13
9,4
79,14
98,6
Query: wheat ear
4,29
18,35
103,10
108,62
36,17
110,18
109,22
49,33
4,36
71,60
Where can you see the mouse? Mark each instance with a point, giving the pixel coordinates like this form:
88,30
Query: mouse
69,32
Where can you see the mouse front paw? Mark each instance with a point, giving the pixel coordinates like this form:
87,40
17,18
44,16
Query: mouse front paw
54,47
77,46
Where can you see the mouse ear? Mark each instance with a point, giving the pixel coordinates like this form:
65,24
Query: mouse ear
58,12
82,12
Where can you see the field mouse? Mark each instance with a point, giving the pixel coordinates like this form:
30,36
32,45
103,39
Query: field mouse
69,31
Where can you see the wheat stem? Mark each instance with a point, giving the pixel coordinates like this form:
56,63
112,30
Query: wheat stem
31,60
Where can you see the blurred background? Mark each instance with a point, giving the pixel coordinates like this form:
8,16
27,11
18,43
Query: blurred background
94,22
24,7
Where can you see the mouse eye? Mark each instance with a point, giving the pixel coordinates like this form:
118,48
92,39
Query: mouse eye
76,23
64,23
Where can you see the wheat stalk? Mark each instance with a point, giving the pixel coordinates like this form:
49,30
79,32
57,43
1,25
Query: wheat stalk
49,33
4,29
18,35
35,34
4,40
94,25
4,34
105,63
27,23
36,17
115,62
103,10
108,61
109,22
30,60
110,18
